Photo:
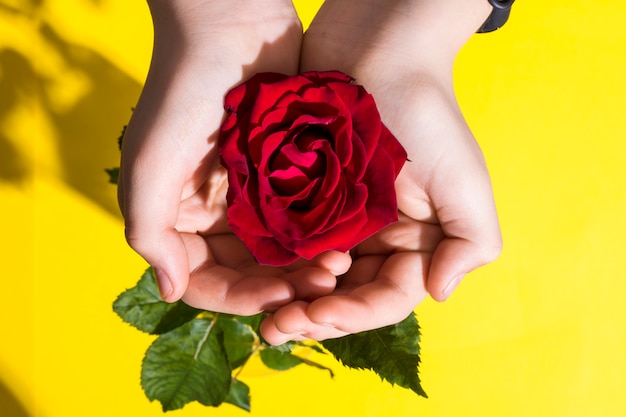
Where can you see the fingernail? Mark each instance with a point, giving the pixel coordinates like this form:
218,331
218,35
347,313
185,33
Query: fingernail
164,283
454,282
337,273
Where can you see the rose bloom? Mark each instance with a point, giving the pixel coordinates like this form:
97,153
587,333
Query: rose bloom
311,167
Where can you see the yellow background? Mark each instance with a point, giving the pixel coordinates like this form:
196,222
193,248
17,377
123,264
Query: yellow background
540,332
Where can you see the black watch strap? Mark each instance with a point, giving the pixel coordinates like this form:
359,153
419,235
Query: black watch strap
498,17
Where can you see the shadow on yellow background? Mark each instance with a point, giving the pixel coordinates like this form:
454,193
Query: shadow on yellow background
10,405
540,332
81,97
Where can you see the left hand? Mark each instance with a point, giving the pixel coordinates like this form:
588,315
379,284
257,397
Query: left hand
383,285
402,51
224,276
172,190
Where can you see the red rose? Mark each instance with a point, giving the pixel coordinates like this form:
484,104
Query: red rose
310,165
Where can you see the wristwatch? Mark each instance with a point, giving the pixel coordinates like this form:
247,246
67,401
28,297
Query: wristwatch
498,17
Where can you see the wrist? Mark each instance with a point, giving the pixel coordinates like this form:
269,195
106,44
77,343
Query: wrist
225,32
437,29
425,35
184,17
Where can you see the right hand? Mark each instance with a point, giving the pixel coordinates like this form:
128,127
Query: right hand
402,52
172,188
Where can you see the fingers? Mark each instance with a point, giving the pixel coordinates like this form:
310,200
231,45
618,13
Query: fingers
220,289
311,282
164,250
402,236
165,158
397,286
217,287
151,187
337,263
293,323
447,183
377,291
309,279
453,259
169,148
149,197
466,211
226,278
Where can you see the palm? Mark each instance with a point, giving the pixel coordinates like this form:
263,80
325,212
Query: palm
447,218
172,188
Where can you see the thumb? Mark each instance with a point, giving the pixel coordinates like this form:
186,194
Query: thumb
452,260
150,228
165,252
149,198
466,210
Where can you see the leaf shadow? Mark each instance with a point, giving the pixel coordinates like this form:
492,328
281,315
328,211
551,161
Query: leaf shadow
9,405
88,130
84,129
16,81
27,7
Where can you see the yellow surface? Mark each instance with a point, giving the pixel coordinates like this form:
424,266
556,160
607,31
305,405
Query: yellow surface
540,332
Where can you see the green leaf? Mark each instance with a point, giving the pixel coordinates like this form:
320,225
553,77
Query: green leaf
143,308
392,352
187,364
313,346
121,136
317,365
253,321
239,339
285,347
114,174
239,395
281,361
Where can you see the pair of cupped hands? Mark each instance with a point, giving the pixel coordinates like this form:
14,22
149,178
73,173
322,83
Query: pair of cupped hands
172,189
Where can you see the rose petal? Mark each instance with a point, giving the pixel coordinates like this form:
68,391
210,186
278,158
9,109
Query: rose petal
365,116
339,238
355,152
381,205
299,202
263,146
307,120
233,152
244,217
290,223
289,182
277,119
243,95
322,78
393,148
268,251
320,216
310,165
250,190
268,94
333,171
